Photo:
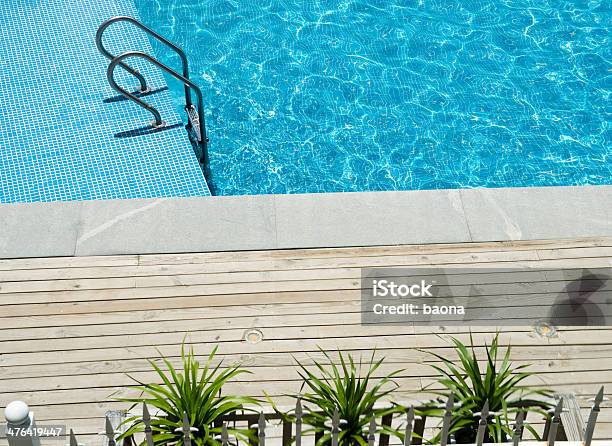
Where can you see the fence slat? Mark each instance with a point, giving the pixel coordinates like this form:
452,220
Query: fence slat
186,430
372,432
518,428
413,428
73,440
224,435
262,429
482,424
590,427
554,424
110,432
409,427
335,427
448,415
146,419
298,423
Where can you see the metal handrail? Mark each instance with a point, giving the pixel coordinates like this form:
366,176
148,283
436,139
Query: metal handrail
141,79
110,74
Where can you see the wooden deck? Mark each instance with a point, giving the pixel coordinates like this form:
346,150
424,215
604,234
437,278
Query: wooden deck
71,327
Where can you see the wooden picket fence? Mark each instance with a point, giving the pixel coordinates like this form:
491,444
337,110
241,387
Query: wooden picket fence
555,430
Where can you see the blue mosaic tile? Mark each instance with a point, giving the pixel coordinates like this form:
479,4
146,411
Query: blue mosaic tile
61,138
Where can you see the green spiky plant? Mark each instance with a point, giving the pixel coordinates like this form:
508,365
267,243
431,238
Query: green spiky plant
329,386
498,384
195,391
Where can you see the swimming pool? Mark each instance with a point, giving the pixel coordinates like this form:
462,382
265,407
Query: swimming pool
329,95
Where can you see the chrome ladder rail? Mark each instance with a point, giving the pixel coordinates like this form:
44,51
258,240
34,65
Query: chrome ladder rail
196,116
133,71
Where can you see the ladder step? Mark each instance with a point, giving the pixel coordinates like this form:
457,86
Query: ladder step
194,120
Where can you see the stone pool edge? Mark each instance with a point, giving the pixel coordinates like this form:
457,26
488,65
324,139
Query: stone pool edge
201,224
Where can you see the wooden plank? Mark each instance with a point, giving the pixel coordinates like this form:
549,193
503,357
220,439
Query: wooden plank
163,334
276,340
201,318
170,259
167,259
258,375
581,382
112,393
260,268
73,262
568,369
265,265
541,356
165,309
571,253
46,274
141,320
480,276
127,300
346,305
65,292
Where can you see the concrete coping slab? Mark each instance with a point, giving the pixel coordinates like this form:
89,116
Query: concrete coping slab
203,224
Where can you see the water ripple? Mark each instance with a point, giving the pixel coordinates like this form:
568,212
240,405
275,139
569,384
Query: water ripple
354,95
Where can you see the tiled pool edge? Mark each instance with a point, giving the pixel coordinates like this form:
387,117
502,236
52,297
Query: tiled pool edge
296,221
203,224
66,134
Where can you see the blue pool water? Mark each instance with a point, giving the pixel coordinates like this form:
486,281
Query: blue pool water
355,95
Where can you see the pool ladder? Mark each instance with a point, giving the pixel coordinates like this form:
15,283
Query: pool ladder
195,115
